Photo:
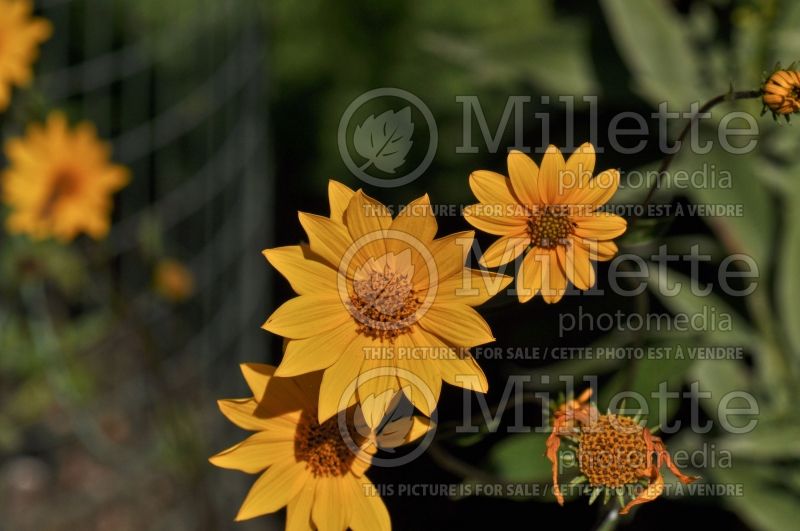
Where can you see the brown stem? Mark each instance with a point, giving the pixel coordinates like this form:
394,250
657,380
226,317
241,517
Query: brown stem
707,106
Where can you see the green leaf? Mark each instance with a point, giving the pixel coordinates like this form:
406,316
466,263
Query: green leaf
788,281
521,458
654,42
763,503
769,440
719,377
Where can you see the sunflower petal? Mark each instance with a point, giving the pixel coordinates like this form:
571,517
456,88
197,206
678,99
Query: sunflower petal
551,176
473,287
368,512
317,352
331,510
257,452
505,249
457,324
491,188
339,197
499,221
600,226
524,176
306,275
307,315
273,490
327,238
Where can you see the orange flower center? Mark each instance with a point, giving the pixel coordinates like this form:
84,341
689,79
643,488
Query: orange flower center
550,227
63,185
612,451
384,305
322,447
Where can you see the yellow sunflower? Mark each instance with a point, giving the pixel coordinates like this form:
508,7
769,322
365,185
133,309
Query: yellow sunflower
382,304
551,215
60,181
20,37
314,469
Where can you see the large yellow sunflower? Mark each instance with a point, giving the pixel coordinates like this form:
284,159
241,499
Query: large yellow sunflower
551,215
314,469
382,304
60,181
20,36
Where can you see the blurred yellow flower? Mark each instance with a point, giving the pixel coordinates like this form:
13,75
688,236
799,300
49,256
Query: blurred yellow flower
173,280
383,305
312,468
60,181
550,214
20,36
782,92
616,454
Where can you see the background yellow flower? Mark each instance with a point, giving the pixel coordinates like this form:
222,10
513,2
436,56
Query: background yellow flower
60,181
20,36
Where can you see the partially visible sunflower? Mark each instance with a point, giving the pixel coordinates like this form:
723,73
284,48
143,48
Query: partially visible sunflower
551,215
20,37
384,294
781,92
616,454
60,181
314,469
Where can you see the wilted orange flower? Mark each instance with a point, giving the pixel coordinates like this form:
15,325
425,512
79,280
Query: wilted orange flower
60,181
381,295
314,469
173,280
20,36
549,213
781,92
615,453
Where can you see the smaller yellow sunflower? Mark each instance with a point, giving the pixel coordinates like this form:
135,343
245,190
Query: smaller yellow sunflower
551,215
314,469
20,37
781,92
60,181
173,281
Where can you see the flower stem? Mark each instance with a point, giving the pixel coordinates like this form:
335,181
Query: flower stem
707,106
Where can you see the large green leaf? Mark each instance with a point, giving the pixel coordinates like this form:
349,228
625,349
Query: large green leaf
655,44
521,458
762,502
788,284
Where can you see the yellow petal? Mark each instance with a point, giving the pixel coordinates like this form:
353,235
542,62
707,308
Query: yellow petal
317,352
257,452
595,192
504,250
457,324
491,188
341,378
368,510
599,251
486,218
580,165
306,275
464,372
600,226
298,512
241,411
473,287
368,219
307,315
530,274
328,239
576,264
331,510
554,280
273,489
417,220
403,431
449,254
524,175
339,197
377,386
257,375
551,175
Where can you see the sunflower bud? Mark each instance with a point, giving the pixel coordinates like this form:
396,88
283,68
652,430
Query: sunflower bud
781,93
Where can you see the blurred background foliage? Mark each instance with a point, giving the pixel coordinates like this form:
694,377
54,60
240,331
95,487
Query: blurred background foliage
227,113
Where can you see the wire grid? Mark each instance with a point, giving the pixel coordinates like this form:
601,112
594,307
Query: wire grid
182,100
